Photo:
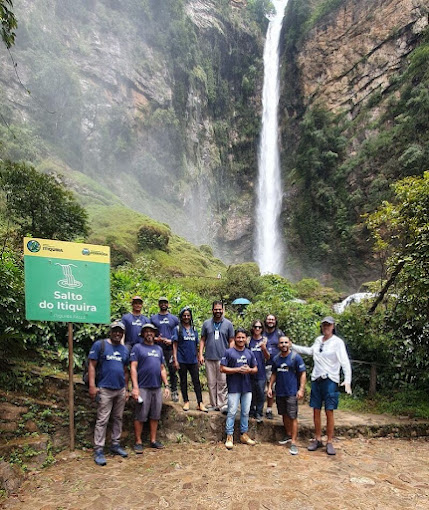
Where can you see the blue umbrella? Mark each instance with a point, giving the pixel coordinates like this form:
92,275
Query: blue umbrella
241,301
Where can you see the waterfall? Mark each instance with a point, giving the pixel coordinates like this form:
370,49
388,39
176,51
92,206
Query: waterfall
269,246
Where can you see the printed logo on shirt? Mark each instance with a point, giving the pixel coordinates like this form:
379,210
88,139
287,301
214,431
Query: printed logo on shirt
154,354
137,322
283,368
116,356
242,360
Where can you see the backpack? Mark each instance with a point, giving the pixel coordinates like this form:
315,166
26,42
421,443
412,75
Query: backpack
85,374
293,367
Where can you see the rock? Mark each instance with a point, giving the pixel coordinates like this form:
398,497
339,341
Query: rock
11,477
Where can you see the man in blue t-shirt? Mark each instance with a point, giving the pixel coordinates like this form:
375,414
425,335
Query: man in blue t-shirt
109,390
147,372
290,376
217,335
272,333
166,322
238,363
133,322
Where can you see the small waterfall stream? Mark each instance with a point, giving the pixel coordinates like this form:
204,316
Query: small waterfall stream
269,247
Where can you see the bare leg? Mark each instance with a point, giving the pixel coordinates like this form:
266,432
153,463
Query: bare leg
317,424
153,427
287,425
330,425
294,431
270,401
138,429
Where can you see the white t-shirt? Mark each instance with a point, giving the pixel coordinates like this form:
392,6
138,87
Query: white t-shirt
328,362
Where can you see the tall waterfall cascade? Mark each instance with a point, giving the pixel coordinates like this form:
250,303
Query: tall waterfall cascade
269,250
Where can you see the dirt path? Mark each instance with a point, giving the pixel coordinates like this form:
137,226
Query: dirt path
365,474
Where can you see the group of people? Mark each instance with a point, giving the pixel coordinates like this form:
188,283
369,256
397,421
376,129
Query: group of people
239,369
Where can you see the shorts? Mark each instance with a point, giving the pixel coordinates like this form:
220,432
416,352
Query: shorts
288,406
324,391
151,406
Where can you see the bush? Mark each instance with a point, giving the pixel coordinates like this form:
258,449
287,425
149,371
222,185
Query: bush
153,237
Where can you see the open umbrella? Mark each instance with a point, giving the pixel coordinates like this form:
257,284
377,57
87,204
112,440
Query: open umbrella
241,301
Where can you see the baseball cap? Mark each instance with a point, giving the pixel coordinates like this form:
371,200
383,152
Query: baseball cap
117,324
137,298
328,319
163,298
149,326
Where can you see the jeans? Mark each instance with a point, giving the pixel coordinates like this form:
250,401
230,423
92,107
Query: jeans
258,395
233,400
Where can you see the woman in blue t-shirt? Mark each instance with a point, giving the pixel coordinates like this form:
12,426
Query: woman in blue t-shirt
185,348
258,345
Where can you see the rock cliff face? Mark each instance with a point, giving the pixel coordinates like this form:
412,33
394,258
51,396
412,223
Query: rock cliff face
357,50
146,98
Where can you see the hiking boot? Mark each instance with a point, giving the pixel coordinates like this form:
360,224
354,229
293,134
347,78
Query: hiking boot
175,396
99,457
201,407
186,406
245,439
157,445
285,440
118,450
314,445
269,415
138,448
229,443
330,450
293,450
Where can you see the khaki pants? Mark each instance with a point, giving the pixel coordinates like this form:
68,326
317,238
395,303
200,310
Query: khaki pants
111,404
216,382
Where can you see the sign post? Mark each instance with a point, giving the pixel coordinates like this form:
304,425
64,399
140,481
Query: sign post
67,282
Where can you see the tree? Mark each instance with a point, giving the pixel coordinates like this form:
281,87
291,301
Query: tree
40,205
8,22
401,228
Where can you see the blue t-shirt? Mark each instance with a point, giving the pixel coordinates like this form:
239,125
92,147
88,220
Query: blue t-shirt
217,335
111,364
165,324
133,325
187,342
238,383
255,347
273,344
287,378
149,360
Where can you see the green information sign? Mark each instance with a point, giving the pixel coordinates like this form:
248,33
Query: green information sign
66,282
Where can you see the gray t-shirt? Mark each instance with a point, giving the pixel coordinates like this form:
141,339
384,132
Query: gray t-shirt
217,337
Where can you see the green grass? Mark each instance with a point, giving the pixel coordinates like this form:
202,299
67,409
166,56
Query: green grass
412,403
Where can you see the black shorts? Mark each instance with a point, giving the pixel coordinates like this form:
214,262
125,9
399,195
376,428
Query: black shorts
287,406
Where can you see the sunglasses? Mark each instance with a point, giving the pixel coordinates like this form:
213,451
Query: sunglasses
257,327
321,347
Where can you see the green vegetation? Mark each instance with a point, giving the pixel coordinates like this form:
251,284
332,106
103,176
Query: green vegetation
8,22
39,205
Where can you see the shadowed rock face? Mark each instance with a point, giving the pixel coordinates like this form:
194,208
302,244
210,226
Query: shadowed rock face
357,49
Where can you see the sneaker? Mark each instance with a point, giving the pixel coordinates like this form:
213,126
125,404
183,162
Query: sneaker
330,450
201,407
259,418
245,439
285,440
212,408
118,450
174,396
229,443
186,406
99,457
269,415
314,445
138,448
293,450
157,445
224,409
